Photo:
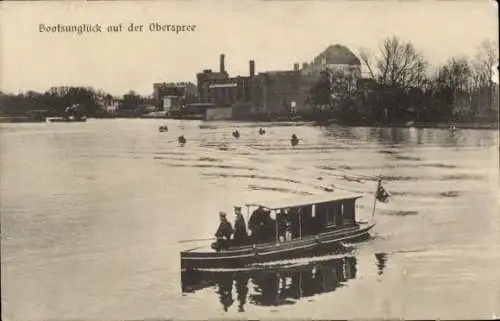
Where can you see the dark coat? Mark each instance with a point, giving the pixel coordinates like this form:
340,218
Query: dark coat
256,220
225,230
240,229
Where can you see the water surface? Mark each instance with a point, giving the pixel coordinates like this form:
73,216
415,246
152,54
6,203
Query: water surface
92,213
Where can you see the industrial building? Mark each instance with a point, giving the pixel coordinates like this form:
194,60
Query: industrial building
227,95
220,96
170,97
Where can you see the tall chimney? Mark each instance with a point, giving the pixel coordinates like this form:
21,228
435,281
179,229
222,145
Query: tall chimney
252,68
222,65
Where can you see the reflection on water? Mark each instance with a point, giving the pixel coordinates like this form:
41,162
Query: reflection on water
381,262
275,285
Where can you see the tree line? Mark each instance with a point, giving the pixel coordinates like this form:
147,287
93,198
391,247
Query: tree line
55,102
402,86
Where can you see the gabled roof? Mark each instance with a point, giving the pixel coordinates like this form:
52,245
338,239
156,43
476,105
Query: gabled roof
299,201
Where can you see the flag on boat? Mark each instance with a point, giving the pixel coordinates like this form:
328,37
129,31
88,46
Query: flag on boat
382,194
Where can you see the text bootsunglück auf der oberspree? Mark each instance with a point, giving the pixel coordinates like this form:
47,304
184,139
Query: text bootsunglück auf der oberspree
115,28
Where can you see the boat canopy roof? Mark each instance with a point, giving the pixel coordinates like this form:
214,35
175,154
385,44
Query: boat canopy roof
300,201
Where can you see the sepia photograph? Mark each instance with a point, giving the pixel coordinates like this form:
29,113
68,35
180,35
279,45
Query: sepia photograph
249,159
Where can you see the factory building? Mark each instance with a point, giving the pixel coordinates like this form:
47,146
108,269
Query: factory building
169,97
273,92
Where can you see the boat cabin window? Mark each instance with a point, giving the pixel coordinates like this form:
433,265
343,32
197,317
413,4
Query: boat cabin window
348,212
338,213
285,224
334,213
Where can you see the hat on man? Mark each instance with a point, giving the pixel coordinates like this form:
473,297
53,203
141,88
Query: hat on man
222,214
237,209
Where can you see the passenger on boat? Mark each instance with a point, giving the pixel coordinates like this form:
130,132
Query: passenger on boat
268,230
256,222
281,219
240,235
294,223
223,233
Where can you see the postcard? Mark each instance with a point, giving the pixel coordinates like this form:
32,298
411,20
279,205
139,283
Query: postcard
249,160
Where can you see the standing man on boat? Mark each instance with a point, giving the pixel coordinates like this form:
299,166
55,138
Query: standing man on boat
240,230
223,233
256,222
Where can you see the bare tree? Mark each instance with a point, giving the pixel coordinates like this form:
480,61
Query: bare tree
398,64
366,58
456,74
485,62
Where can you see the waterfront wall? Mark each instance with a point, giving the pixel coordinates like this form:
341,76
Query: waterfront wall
218,113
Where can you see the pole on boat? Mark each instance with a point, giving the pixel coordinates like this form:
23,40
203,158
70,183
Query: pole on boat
379,182
196,240
276,221
300,222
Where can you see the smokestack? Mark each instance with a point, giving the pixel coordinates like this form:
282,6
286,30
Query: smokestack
222,65
252,68
296,67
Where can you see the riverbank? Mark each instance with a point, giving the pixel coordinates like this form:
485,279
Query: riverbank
443,125
288,121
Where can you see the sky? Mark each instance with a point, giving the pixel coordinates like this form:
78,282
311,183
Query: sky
276,34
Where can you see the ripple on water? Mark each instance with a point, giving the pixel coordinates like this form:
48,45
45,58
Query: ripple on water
408,158
459,177
398,213
277,189
420,194
209,159
449,194
401,178
210,166
259,177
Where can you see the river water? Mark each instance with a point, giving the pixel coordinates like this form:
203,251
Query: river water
92,214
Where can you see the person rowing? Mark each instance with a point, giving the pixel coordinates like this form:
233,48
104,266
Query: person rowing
236,134
181,140
261,131
294,140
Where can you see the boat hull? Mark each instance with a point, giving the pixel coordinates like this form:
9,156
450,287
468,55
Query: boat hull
239,257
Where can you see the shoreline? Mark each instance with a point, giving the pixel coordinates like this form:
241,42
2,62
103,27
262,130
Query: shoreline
441,125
